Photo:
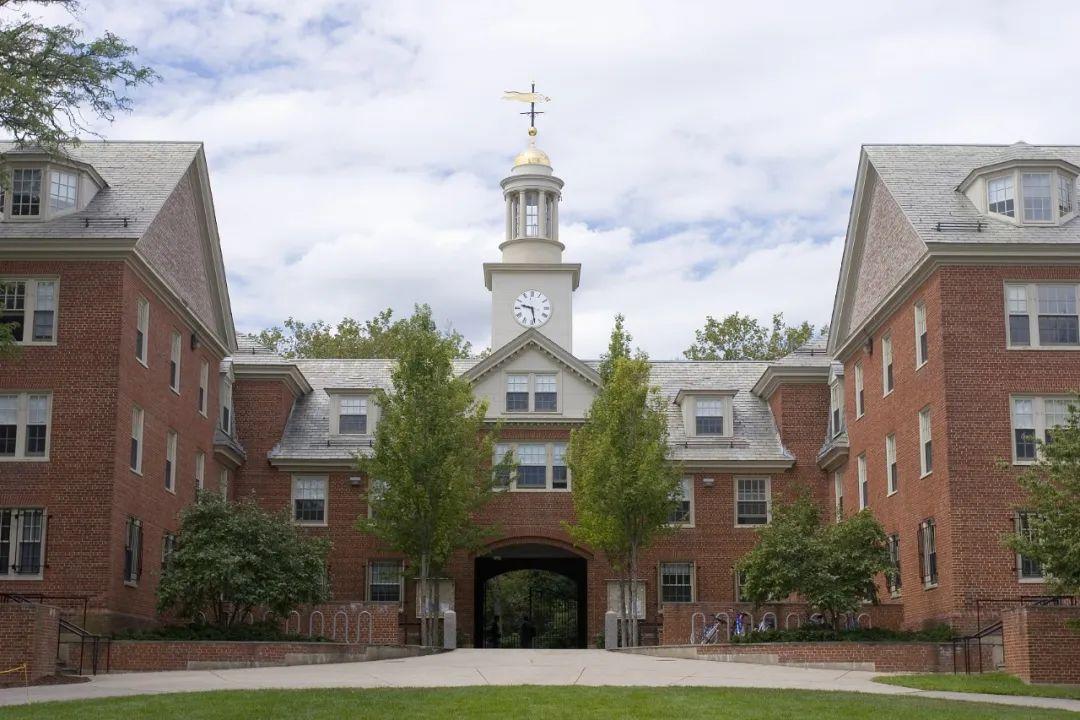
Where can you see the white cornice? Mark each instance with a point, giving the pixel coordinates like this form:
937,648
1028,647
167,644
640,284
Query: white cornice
573,268
285,372
1020,163
686,392
325,464
776,376
534,338
737,466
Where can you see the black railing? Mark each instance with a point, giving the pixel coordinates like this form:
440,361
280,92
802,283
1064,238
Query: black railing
995,627
84,638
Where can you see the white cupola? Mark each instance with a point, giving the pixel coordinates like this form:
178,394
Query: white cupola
532,196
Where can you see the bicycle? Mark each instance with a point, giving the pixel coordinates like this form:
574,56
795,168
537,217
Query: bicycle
711,633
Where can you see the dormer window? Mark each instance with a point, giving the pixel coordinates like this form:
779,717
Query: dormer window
709,416
63,190
350,413
1036,189
999,196
25,192
1026,194
41,187
706,413
1066,191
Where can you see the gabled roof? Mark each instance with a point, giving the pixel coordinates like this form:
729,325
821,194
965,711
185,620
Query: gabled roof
532,338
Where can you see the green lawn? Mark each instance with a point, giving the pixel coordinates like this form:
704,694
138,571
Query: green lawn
542,703
991,683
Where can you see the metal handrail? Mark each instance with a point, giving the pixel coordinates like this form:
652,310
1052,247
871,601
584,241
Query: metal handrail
997,625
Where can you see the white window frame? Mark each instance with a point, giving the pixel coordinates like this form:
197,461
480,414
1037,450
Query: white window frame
864,483
838,493
926,435
1039,422
860,394
176,345
401,581
613,595
171,441
30,301
1031,300
768,499
892,480
225,403
921,358
204,387
1020,521
1051,196
223,482
15,532
138,426
200,470
142,325
660,582
54,178
837,412
686,494
135,543
335,413
43,194
888,384
549,446
1058,178
690,414
324,480
22,422
530,391
1009,180
928,579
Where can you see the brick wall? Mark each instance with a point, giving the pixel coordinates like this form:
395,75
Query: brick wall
151,655
883,656
1039,646
28,633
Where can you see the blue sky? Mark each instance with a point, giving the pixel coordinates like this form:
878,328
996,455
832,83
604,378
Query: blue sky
708,148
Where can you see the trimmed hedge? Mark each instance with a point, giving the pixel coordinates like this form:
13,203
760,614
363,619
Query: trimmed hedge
941,633
257,632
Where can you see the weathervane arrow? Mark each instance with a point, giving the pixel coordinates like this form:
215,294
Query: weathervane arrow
532,97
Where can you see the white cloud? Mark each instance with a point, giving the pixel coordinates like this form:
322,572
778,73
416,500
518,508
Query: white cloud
708,148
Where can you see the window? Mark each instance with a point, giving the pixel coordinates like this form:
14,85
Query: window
174,362
226,405
515,217
502,476
517,393
204,383
200,469
170,461
1029,568
928,553
24,426
559,476
309,499
29,304
615,598
859,397
545,395
709,416
63,190
549,224
1066,191
22,541
926,456
168,547
532,213
864,484
532,466
137,417
838,493
683,514
1036,189
891,471
752,499
133,551
892,576
886,365
1033,419
223,482
384,581
836,406
676,582
1042,315
142,329
376,488
1055,415
352,415
999,196
25,192
922,339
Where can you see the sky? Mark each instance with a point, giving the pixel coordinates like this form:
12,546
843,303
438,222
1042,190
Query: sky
708,148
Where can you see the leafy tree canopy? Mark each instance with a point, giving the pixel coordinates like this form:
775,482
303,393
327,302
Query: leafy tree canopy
380,337
232,558
1053,486
741,337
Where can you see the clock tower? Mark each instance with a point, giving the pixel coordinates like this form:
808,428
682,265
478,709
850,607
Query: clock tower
532,287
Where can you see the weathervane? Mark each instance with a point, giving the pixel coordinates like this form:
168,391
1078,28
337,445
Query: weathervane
532,97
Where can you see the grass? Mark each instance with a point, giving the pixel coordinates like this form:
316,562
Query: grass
542,703
990,683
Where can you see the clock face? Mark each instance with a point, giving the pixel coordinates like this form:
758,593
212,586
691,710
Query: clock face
532,308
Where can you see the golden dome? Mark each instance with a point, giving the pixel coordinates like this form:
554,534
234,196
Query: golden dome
532,155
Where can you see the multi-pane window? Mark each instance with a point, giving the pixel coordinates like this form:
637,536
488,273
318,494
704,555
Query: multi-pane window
752,498
515,218
142,329
352,415
376,490
838,493
545,394
174,361
864,483
1029,568
1033,419
135,457
892,576
25,192
63,190
836,407
532,213
517,393
928,552
922,338
309,499
676,582
170,461
1042,314
886,365
860,408
891,470
22,541
223,482
559,475
133,550
384,581
1000,196
709,416
204,384
502,475
200,469
24,425
226,404
532,466
29,308
926,447
1066,193
682,514
168,548
1037,203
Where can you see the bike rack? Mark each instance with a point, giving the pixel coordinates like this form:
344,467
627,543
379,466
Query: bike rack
288,619
693,624
370,624
798,620
344,615
859,621
727,624
311,624
775,625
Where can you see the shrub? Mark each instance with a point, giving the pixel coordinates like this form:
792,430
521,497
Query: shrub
259,631
813,633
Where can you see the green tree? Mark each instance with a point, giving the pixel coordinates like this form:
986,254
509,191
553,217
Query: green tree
831,566
8,347
741,337
431,456
51,78
380,337
233,557
1053,507
624,489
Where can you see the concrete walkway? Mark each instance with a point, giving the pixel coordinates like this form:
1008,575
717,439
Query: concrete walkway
502,667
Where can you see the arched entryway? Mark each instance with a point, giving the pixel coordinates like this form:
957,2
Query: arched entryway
572,572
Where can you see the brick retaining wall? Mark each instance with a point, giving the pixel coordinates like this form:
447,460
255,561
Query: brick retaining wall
28,633
151,655
1039,647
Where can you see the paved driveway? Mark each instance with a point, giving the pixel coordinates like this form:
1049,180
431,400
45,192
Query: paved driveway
500,667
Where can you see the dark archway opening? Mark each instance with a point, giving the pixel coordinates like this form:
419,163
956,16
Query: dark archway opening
531,596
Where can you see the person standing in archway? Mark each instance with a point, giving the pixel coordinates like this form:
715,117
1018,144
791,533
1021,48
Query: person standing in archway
528,631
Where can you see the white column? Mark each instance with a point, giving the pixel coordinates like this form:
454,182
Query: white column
554,216
541,213
509,217
521,213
